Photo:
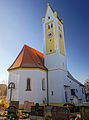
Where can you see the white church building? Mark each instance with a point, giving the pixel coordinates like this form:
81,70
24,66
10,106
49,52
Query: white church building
44,77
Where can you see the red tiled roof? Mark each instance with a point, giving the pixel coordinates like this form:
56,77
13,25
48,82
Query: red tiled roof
29,58
72,78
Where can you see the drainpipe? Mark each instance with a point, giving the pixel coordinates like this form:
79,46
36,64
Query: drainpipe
47,90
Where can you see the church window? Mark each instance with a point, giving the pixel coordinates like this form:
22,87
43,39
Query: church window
28,84
43,84
52,93
51,25
48,26
48,17
72,91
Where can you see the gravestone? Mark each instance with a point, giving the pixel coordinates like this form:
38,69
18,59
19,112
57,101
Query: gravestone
84,110
12,113
15,103
60,113
37,110
27,105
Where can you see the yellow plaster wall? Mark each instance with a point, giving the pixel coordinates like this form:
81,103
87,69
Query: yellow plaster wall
50,45
61,39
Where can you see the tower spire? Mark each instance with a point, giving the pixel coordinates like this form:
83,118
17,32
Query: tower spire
48,4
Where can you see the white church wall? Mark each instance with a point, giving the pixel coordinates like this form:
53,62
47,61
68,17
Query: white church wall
78,90
36,94
56,84
14,77
19,77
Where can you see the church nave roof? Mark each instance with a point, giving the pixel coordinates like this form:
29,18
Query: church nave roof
28,58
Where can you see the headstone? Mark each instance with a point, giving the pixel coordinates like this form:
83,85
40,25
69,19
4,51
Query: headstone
37,110
84,110
27,105
12,112
47,114
60,113
15,103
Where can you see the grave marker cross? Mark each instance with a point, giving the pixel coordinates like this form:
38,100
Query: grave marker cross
11,86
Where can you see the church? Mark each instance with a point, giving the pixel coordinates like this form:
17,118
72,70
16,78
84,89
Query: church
44,77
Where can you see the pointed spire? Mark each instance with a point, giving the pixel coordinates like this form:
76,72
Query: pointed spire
48,4
55,14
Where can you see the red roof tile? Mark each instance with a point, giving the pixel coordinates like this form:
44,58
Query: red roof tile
29,58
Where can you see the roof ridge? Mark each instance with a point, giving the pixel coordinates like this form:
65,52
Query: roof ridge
33,48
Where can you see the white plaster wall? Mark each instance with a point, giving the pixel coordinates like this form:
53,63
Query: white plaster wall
14,77
57,79
36,94
74,85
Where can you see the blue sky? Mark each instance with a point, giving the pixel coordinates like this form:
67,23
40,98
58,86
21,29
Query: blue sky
21,23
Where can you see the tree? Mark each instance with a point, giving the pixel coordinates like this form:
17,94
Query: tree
87,87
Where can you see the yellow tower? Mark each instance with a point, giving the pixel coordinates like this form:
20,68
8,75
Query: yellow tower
50,29
54,48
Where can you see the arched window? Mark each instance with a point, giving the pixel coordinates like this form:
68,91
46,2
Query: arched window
43,84
28,84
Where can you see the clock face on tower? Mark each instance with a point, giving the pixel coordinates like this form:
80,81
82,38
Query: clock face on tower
50,34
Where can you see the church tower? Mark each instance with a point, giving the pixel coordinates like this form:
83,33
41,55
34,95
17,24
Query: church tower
54,54
53,37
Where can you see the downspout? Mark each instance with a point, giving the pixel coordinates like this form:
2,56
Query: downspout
47,90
